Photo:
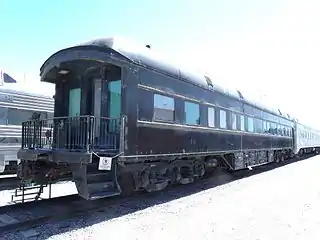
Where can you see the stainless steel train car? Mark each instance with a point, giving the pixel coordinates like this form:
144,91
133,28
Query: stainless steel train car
17,106
306,139
125,120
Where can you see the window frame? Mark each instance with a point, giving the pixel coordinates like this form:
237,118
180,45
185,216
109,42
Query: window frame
171,100
185,113
72,107
225,119
233,124
210,118
242,123
248,125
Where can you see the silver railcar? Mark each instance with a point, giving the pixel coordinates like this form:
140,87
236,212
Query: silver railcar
17,106
306,139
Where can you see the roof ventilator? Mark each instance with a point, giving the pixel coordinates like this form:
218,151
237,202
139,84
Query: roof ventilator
240,95
209,82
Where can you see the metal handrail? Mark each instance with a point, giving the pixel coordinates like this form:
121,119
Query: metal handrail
80,133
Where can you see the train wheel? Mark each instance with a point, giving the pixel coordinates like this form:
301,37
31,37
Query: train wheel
154,187
199,169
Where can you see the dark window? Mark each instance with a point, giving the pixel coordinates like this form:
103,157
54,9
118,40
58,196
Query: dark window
3,116
192,113
17,116
50,115
223,119
163,108
211,117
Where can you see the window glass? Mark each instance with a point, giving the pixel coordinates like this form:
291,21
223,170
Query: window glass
74,102
264,127
115,98
284,131
277,132
163,108
192,113
223,119
50,115
3,116
271,128
267,130
211,117
258,126
17,116
242,123
250,124
234,121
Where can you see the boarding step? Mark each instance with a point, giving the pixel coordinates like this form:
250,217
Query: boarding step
27,193
102,189
92,182
98,177
103,194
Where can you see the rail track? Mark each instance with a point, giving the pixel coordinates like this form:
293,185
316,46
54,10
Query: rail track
18,217
21,216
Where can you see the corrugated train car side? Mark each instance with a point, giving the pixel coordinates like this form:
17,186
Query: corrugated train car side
307,139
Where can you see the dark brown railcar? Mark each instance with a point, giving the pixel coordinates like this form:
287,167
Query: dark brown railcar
125,121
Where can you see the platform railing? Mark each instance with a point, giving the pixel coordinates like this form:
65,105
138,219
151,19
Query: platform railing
81,133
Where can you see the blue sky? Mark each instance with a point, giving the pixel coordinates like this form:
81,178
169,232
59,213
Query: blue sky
266,46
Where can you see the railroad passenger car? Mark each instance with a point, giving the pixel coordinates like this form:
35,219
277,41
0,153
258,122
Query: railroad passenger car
125,120
307,139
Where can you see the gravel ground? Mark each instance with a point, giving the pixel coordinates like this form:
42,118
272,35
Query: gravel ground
280,204
58,189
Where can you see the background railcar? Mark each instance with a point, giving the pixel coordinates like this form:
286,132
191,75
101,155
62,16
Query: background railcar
17,106
307,139
125,120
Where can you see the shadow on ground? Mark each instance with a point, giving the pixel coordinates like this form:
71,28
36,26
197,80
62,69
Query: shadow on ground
143,201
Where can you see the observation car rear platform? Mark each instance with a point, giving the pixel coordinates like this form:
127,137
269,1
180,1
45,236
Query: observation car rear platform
85,134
